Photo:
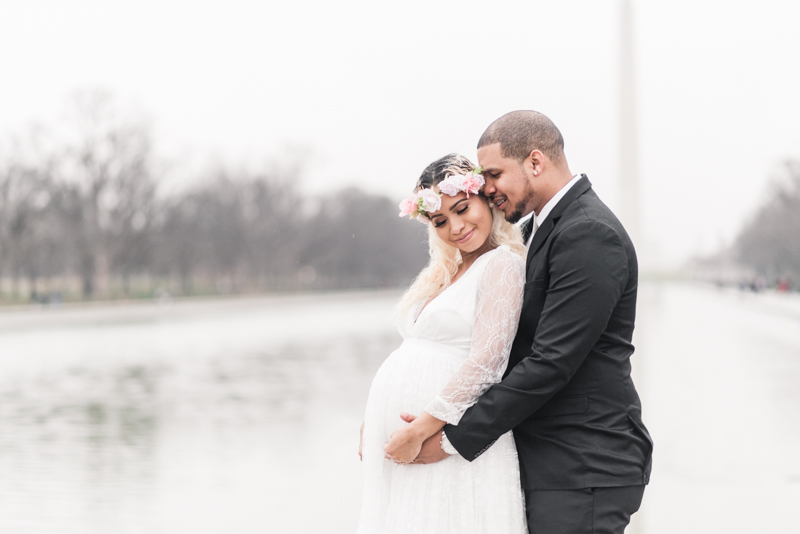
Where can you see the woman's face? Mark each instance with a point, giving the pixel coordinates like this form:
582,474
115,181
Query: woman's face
464,223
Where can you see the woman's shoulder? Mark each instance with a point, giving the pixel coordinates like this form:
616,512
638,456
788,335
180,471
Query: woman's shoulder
504,255
502,259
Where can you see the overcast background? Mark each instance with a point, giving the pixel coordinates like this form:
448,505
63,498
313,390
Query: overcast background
367,93
156,413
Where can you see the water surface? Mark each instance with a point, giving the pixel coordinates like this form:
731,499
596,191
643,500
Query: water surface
242,415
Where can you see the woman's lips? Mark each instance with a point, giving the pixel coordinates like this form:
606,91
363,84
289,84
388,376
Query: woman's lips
466,237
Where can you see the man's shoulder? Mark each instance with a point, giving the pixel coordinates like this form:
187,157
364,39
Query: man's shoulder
589,211
588,224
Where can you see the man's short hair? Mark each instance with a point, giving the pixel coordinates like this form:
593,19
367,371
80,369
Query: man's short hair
521,132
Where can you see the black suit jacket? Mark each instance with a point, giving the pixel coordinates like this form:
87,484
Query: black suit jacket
568,393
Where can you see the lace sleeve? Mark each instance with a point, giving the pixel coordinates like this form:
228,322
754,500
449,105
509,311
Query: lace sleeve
496,320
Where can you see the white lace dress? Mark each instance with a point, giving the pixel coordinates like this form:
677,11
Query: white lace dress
451,353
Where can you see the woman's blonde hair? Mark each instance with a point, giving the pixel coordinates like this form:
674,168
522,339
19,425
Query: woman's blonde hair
445,259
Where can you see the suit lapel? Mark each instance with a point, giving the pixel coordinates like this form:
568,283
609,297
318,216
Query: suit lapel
580,187
538,238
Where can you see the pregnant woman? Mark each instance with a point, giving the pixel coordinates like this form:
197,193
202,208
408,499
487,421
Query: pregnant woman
458,321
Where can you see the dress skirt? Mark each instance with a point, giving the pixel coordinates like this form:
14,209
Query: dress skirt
453,496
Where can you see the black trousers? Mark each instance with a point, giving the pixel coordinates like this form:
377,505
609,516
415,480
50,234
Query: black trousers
582,511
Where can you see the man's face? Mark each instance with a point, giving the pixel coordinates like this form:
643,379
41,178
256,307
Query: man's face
507,184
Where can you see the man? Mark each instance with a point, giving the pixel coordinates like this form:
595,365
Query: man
584,453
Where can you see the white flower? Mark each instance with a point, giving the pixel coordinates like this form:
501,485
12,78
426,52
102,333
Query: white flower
430,200
449,186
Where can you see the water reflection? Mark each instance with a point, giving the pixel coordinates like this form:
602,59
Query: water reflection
720,371
179,420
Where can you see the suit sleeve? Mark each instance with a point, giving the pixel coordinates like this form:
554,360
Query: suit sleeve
588,271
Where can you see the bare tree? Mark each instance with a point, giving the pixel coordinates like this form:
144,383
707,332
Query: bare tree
770,244
89,208
111,161
357,240
25,226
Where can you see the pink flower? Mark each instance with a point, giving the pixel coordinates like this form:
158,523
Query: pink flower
473,184
469,183
408,206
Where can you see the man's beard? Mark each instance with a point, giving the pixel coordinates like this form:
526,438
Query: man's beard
519,207
517,214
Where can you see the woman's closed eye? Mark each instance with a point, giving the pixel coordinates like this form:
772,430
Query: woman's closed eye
442,221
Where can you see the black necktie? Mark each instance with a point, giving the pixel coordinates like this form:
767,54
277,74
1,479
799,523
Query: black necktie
527,229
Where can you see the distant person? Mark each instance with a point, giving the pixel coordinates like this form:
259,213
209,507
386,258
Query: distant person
584,453
758,284
783,285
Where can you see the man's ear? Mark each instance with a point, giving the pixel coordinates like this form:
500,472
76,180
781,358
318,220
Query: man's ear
534,163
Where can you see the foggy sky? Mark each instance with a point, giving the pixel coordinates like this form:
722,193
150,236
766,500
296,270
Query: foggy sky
372,93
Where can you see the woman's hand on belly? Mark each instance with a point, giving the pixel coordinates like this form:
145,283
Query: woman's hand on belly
405,444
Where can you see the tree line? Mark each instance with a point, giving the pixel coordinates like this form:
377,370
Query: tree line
770,243
86,218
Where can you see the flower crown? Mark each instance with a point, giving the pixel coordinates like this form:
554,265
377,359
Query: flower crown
427,200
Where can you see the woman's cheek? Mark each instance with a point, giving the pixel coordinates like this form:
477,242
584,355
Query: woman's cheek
442,234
